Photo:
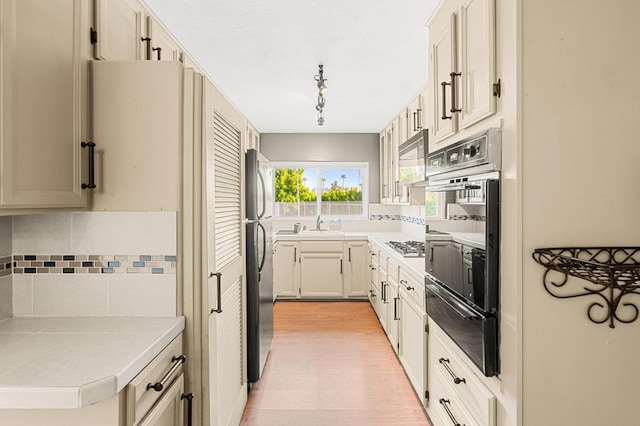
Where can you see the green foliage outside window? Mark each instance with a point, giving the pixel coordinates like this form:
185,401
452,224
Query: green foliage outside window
290,185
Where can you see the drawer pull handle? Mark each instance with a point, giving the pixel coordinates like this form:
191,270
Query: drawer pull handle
91,165
395,309
189,398
404,283
158,386
444,403
445,363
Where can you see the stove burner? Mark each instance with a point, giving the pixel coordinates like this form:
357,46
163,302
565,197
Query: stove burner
408,248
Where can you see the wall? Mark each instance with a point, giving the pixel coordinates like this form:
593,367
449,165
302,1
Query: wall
360,147
6,290
94,264
580,174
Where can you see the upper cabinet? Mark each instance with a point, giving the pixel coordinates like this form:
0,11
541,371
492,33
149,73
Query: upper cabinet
252,138
120,30
414,116
462,63
43,56
126,31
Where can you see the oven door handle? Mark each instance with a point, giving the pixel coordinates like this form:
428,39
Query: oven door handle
457,307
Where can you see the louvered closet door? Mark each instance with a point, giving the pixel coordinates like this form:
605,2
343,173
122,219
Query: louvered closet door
224,207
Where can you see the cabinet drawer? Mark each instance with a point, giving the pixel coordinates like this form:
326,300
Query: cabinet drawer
414,288
470,390
139,399
393,269
321,246
445,408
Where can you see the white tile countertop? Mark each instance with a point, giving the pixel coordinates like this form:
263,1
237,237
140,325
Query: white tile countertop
72,362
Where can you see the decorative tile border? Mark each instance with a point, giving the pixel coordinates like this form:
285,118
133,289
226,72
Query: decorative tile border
6,266
87,264
477,218
408,219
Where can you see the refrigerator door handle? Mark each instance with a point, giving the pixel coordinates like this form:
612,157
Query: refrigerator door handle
264,246
264,195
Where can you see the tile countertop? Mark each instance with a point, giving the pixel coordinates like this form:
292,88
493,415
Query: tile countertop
65,362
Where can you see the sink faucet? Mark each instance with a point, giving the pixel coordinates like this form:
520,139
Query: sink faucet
318,222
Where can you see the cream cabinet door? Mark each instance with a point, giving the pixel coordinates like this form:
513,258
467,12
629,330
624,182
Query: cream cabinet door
442,57
223,257
287,269
163,45
169,410
477,60
321,275
413,343
393,315
356,256
120,30
415,122
43,59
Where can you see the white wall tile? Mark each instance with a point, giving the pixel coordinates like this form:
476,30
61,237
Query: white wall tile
6,297
42,234
124,233
6,224
22,295
142,295
70,295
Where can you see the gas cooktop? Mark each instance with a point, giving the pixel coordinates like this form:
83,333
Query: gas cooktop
408,248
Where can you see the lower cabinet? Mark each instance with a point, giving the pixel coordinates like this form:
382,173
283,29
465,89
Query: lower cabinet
328,269
321,275
456,393
168,411
286,269
413,342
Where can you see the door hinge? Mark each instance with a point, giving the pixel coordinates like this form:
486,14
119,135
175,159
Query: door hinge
497,88
93,36
426,395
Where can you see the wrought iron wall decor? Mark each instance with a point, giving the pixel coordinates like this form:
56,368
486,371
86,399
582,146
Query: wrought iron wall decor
613,271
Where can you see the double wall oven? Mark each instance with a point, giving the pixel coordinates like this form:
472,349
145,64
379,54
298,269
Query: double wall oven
462,265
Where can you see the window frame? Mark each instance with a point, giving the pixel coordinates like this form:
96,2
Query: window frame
319,165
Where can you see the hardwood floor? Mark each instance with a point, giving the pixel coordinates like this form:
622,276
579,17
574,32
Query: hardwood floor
331,364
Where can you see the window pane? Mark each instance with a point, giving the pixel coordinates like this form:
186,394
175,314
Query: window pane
295,192
342,191
431,204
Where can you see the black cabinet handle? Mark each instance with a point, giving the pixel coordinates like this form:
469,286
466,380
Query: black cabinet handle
372,293
295,254
148,41
159,50
445,363
218,276
444,403
395,308
444,85
158,386
453,76
384,291
419,116
340,266
349,254
189,398
91,165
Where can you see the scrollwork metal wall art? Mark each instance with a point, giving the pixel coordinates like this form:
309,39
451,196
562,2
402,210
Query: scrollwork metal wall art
613,271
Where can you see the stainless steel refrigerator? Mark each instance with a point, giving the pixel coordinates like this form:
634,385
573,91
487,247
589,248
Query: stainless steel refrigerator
259,211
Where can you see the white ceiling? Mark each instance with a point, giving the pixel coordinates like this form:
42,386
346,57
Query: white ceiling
263,54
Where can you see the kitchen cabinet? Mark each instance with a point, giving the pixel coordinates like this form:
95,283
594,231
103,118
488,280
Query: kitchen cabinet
287,269
453,385
386,165
462,62
120,29
414,116
321,269
222,223
43,58
413,333
195,169
393,309
169,411
253,138
356,278
163,47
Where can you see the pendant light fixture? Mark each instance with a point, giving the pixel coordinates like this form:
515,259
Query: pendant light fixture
322,87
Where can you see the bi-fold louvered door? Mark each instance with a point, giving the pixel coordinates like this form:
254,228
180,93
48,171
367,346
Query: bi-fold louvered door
224,214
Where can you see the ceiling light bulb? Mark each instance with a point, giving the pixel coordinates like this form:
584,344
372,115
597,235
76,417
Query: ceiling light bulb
322,87
319,108
320,121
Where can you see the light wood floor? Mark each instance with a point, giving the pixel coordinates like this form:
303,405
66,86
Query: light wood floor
331,364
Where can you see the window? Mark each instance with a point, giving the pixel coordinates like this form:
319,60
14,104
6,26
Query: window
435,205
305,190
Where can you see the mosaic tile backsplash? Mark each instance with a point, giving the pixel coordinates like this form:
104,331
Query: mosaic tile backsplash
407,219
87,264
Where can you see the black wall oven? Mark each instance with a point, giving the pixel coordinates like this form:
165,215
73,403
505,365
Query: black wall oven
462,273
